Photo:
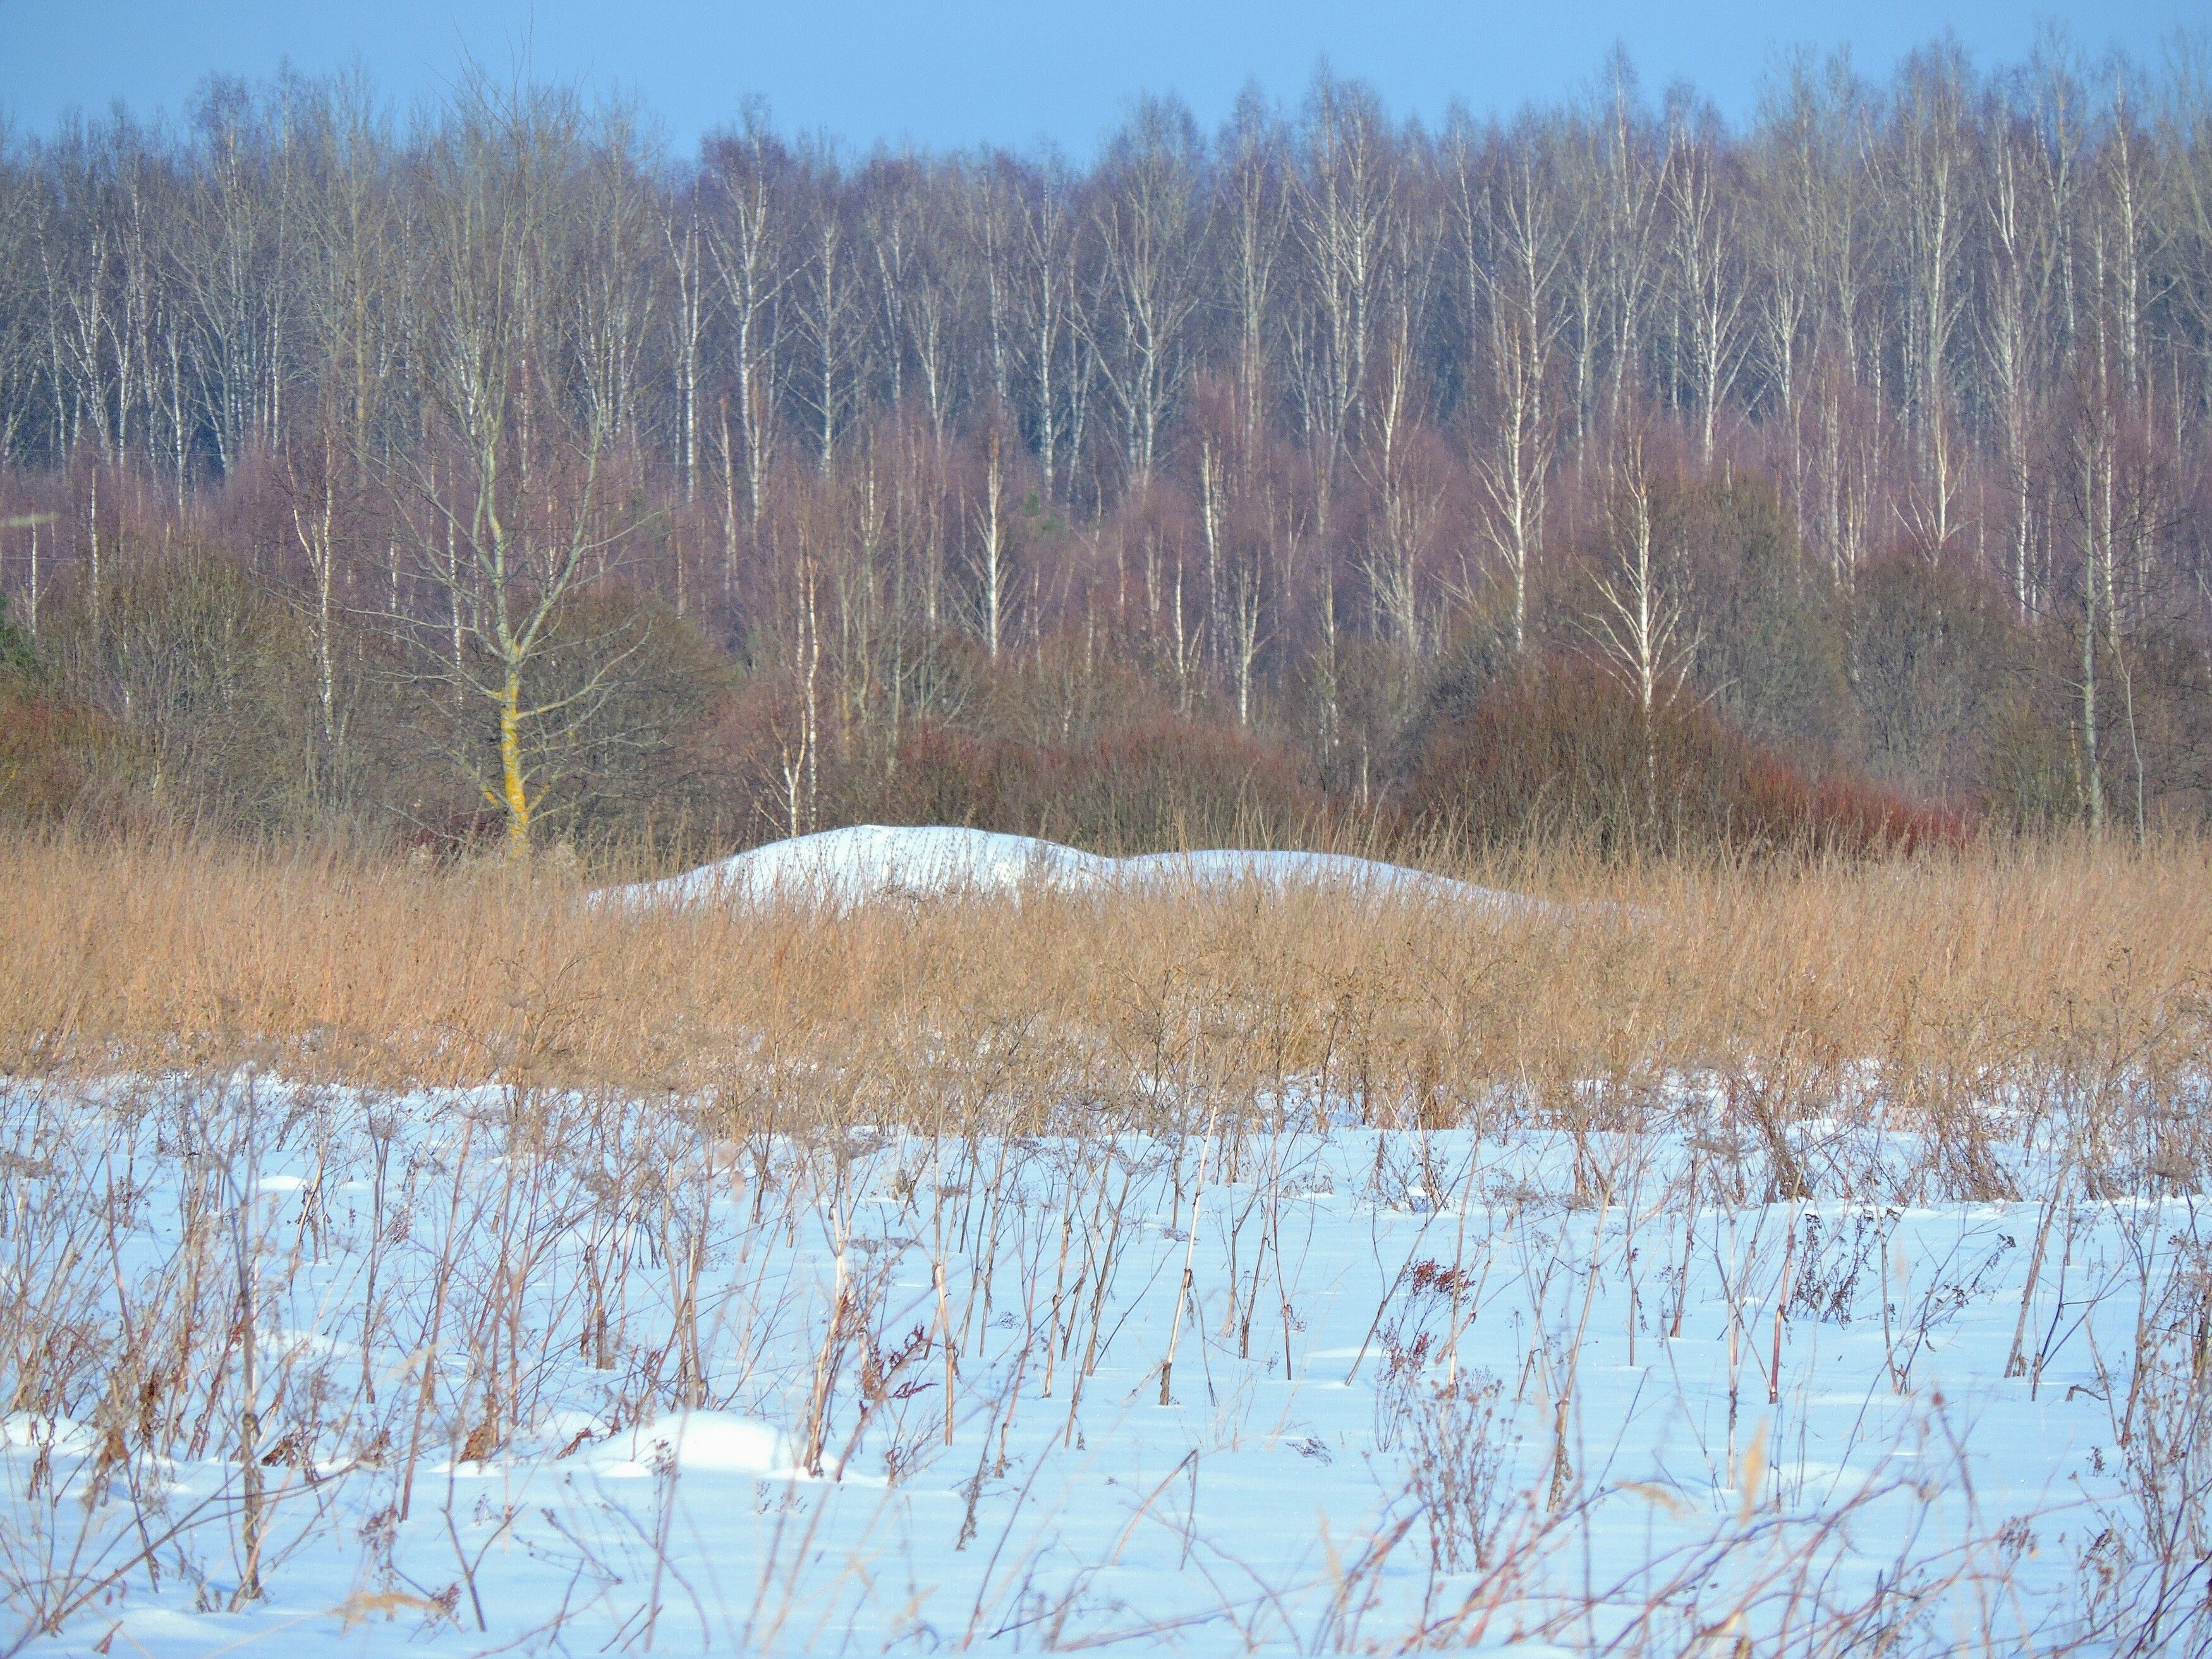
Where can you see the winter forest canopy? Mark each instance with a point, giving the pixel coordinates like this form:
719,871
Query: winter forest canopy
1608,472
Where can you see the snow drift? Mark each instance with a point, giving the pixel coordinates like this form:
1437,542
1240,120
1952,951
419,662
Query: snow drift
873,861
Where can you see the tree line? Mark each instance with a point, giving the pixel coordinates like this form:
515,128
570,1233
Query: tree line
495,472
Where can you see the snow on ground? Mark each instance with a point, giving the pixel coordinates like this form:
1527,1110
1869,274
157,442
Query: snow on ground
539,1373
868,861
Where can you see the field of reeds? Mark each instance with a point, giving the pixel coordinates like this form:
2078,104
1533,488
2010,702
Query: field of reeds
1941,973
1795,1257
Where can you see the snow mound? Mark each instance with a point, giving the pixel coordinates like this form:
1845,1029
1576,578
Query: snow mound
700,1441
873,861
869,861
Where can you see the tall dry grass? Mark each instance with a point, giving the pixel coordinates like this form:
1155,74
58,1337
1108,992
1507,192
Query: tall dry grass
1946,975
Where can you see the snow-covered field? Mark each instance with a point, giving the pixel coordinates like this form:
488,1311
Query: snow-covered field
515,1372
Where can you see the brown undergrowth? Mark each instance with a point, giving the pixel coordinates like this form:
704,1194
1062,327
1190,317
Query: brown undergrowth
1949,973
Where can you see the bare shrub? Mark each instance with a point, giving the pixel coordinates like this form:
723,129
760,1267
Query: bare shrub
1452,1439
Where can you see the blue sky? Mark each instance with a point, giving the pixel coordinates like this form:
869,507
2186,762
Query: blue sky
964,71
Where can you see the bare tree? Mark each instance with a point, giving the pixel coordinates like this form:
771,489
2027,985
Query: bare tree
748,236
1704,243
1926,157
1638,625
827,301
231,256
1256,211
1511,243
1147,225
992,542
516,510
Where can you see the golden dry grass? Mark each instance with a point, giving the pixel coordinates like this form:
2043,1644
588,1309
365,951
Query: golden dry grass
1945,974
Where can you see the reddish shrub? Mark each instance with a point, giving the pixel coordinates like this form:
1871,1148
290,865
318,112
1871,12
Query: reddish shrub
1562,751
52,756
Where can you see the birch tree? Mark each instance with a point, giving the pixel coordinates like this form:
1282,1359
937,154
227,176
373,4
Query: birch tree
1638,623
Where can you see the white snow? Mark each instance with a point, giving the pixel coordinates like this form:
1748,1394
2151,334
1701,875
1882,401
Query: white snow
691,1442
1368,1378
873,861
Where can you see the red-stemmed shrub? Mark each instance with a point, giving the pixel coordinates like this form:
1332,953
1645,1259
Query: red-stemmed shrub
1562,751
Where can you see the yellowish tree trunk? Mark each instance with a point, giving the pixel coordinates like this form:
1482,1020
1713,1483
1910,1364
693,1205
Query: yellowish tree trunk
512,786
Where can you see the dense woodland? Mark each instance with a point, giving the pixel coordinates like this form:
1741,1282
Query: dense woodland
489,476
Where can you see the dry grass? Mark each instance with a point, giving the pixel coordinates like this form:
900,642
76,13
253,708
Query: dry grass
1944,974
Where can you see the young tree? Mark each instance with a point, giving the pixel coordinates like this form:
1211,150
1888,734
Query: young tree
1638,625
508,517
992,551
